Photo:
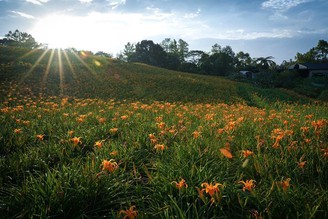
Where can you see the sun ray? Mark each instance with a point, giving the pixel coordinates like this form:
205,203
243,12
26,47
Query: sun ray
46,73
61,72
69,64
86,65
28,53
27,74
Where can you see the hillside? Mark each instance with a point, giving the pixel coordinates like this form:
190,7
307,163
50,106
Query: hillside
89,137
54,73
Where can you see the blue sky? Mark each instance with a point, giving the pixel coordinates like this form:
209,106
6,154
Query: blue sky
278,28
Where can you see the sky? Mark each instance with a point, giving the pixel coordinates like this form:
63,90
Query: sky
278,28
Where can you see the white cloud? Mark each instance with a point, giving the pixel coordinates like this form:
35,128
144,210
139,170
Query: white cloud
157,14
192,15
112,30
241,34
313,31
85,1
37,2
23,14
282,5
115,3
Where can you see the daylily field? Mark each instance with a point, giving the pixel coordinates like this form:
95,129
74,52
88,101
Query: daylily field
76,155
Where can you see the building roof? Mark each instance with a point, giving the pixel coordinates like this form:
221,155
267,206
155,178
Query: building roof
309,66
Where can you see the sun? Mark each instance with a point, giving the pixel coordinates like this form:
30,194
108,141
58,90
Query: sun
61,31
94,31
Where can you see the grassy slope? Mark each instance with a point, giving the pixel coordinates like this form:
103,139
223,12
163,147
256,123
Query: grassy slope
53,177
119,80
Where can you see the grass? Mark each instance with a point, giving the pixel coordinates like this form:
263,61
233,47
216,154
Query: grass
86,76
119,135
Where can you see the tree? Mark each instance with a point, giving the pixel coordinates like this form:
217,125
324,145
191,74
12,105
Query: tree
243,61
19,39
264,63
171,62
285,65
219,62
322,50
189,67
315,54
166,44
194,56
129,50
104,54
178,48
173,47
228,50
149,53
204,63
306,57
182,50
216,48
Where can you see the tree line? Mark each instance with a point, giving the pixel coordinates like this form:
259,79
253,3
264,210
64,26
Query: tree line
175,55
19,39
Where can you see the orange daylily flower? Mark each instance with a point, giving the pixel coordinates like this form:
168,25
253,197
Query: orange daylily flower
249,185
307,140
159,147
304,128
5,110
285,184
40,137
161,125
109,165
101,120
309,116
99,143
318,124
181,184
325,152
152,138
172,131
76,140
277,132
247,153
220,131
70,133
18,131
130,213
200,193
301,164
80,119
210,189
226,153
113,130
113,153
26,123
255,214
196,134
124,117
277,142
159,119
